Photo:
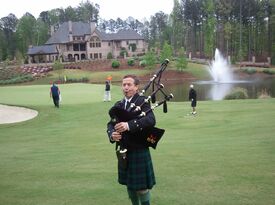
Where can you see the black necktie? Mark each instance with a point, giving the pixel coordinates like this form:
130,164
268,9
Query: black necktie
127,105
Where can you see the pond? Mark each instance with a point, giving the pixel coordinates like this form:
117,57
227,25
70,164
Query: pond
209,90
223,83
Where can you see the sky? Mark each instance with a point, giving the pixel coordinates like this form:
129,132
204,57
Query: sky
138,9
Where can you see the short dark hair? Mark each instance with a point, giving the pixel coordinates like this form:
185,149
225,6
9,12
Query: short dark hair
136,80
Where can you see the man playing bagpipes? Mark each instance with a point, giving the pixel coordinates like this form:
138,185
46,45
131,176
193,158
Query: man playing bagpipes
138,174
132,127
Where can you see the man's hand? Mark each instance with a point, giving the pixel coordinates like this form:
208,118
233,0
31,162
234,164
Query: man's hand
121,127
116,136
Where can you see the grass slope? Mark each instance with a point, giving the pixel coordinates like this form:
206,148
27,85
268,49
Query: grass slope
225,155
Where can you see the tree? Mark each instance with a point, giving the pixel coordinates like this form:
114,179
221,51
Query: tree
26,33
3,53
209,29
193,13
150,59
87,11
58,66
8,25
166,52
181,62
158,25
272,27
42,30
178,27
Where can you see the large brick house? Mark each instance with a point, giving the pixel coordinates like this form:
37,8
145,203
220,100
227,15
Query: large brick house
74,41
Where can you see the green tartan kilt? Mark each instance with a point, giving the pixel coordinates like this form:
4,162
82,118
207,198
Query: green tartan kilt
139,174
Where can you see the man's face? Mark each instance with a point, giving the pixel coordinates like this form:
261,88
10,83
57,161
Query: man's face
128,87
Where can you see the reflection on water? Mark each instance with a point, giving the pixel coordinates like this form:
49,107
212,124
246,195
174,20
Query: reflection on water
218,91
207,90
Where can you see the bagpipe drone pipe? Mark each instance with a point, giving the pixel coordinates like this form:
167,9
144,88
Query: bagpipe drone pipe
151,136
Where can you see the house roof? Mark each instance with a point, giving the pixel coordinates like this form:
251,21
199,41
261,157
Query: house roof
127,35
45,49
81,29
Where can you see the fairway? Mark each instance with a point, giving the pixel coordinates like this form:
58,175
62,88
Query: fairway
225,155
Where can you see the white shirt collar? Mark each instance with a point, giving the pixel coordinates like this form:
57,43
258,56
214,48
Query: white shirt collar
126,99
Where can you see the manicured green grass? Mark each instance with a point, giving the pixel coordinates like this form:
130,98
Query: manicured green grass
94,77
223,156
199,71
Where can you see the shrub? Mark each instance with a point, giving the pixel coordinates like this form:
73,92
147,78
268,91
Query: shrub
263,94
109,55
77,80
115,64
85,79
250,70
237,93
141,54
17,79
123,52
269,71
142,63
131,62
133,46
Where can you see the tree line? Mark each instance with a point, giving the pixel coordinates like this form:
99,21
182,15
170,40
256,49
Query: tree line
240,29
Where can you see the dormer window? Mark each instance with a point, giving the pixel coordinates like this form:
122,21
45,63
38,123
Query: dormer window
95,42
77,38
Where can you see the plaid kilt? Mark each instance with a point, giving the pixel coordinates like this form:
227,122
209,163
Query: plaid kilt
139,174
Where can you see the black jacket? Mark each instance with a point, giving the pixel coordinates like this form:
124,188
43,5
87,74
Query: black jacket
192,94
138,126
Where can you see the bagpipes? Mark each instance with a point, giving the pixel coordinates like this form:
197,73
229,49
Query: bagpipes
152,135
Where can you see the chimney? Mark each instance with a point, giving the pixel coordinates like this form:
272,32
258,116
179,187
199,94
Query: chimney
70,27
93,26
70,31
52,30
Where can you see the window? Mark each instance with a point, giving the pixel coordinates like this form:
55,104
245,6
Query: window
82,47
79,47
95,42
98,44
75,47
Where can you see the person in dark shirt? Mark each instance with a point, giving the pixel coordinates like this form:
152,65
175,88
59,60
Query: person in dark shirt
54,94
138,176
193,99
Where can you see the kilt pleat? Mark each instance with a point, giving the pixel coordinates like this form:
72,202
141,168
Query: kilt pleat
139,174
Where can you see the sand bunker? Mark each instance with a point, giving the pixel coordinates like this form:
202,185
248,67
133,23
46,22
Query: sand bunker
12,114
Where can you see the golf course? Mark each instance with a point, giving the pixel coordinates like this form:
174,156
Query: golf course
223,156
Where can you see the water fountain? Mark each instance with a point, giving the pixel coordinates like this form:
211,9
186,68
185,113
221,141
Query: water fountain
222,77
220,69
